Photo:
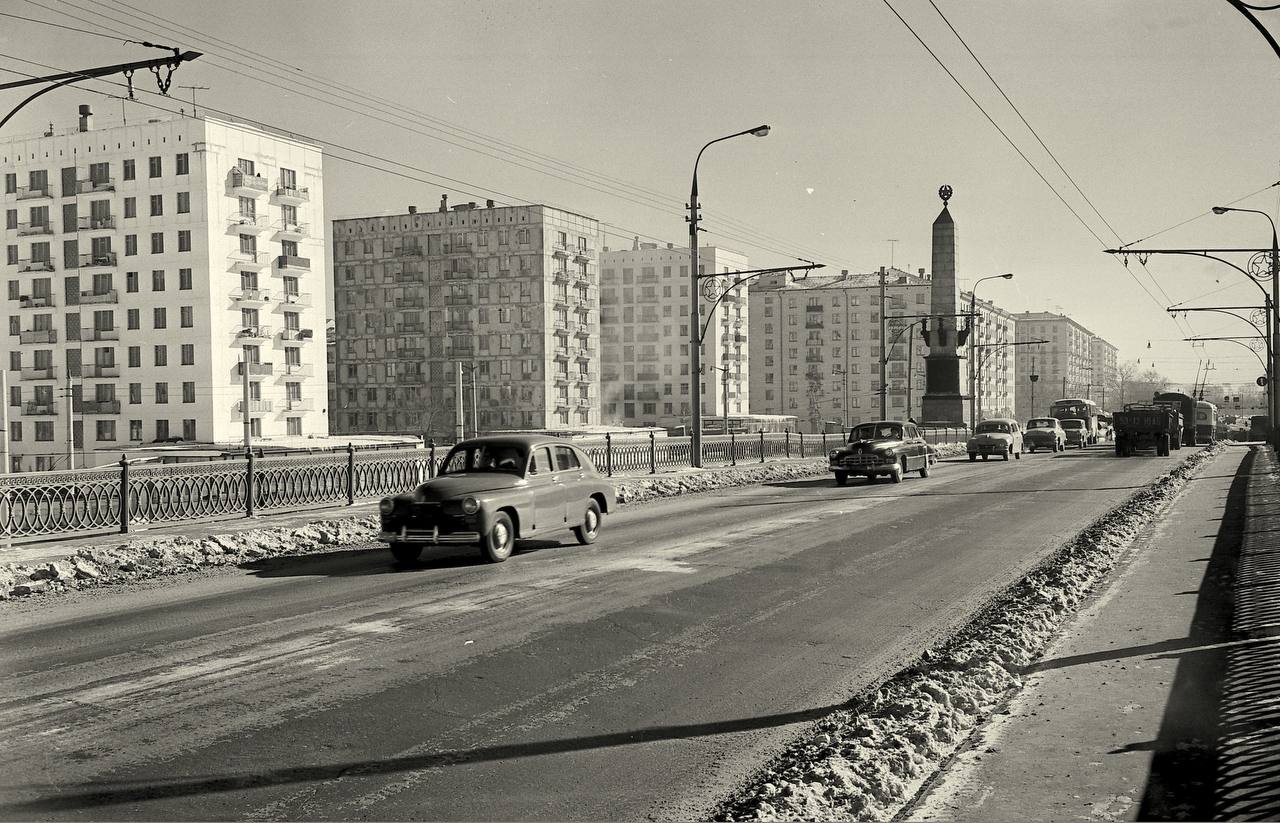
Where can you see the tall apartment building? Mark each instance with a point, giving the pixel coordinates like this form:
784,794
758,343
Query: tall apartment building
644,318
816,349
995,361
510,293
1065,364
1104,377
147,266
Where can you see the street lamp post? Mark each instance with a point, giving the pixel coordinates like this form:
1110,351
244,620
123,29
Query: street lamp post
695,322
992,348
841,371
973,340
1274,410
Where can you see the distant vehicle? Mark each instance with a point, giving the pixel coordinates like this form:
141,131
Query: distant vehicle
1206,422
1077,408
1185,404
1106,427
1146,426
1045,433
888,447
999,435
1076,433
1259,427
494,490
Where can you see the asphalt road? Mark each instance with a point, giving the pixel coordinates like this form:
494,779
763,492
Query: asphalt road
643,677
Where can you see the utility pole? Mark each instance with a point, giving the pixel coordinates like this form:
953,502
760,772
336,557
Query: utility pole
726,402
460,423
475,414
193,96
4,421
71,425
884,353
1064,385
244,404
911,345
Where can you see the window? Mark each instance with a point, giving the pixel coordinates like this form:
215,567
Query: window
129,172
135,430
162,395
130,244
131,281
186,317
184,200
135,354
162,429
106,430
157,280
189,428
181,164
293,425
159,319
133,317
44,430
184,240
157,204
162,356
157,242
11,258
15,431
184,279
10,183
130,207
153,166
135,395
188,391
188,354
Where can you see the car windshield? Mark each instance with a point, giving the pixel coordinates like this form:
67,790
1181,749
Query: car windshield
1040,423
874,431
1073,424
993,426
487,457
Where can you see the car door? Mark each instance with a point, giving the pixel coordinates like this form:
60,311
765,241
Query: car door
573,499
544,487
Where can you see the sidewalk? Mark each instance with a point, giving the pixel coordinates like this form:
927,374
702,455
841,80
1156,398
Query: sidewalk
1161,699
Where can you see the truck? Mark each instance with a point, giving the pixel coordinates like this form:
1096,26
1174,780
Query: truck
1184,404
1146,426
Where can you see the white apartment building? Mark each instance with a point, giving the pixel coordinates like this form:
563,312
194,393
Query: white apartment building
816,349
509,293
148,266
1064,363
644,319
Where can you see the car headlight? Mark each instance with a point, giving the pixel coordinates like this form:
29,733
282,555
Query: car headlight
888,452
470,506
387,505
834,454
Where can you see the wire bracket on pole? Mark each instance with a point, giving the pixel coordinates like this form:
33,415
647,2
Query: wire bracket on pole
163,83
1260,266
128,78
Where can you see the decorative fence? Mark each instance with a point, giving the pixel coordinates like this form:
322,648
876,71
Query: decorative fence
116,498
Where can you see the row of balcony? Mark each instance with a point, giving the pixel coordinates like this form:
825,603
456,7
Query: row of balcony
262,296
251,185
86,370
82,224
82,187
260,370
243,223
259,259
258,333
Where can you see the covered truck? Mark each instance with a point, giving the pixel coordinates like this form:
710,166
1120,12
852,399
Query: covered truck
1147,426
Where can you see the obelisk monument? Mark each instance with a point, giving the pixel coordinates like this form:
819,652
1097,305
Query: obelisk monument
943,402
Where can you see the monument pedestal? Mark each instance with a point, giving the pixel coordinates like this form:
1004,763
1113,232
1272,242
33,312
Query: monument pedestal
943,401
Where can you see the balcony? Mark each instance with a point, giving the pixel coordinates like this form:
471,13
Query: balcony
460,325
33,192
649,396
257,296
409,328
100,335
248,259
584,376
409,251
254,334
648,377
560,354
563,379
36,407
43,301
246,185
582,329
411,353
583,255
586,402
412,378
814,324
560,301
102,259
35,265
100,370
457,275
299,404
562,327
582,277
289,262
815,307
93,186
561,276
291,194
560,252
256,407
104,223
244,223
98,407
255,370
294,298
38,336
648,337
38,372
297,334
651,277
91,297
298,370
458,248
585,353
34,228
457,300
292,231
410,303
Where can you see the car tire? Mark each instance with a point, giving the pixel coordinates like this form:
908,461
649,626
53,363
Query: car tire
1033,449
405,552
590,528
895,474
1006,455
1018,454
924,470
498,543
972,457
1081,445
842,478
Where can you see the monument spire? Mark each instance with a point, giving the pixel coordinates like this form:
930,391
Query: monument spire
943,401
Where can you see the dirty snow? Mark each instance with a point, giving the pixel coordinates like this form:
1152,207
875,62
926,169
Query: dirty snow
868,761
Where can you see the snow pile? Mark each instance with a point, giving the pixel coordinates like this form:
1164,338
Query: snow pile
146,557
867,761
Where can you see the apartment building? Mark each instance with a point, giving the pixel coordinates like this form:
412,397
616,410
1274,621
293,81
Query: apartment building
1104,377
509,293
644,318
1064,364
816,348
149,266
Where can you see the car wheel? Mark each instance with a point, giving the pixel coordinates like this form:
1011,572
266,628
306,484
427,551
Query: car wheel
972,457
1018,454
590,528
842,478
924,470
1005,456
497,545
895,474
1081,445
405,552
1033,449
985,456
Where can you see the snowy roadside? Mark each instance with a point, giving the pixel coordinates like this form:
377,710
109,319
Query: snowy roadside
145,557
866,762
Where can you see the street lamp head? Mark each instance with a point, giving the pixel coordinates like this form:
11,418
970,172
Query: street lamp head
1220,209
760,131
1007,275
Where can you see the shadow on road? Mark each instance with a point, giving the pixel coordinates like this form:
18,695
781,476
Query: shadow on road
378,560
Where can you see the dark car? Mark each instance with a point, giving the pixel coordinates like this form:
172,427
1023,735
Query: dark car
495,490
889,447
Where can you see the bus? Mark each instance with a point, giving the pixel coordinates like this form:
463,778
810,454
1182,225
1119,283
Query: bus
1077,408
1186,404
1206,422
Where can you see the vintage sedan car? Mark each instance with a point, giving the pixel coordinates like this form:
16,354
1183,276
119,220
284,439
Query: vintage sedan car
1076,432
497,489
889,447
999,435
1044,433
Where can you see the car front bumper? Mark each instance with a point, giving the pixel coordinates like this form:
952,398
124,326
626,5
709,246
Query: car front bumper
433,537
990,448
864,464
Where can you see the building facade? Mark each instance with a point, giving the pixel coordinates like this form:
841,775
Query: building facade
508,293
994,373
1104,377
644,317
1064,364
154,271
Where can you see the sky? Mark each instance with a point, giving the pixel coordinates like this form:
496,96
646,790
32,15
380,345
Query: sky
1152,112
